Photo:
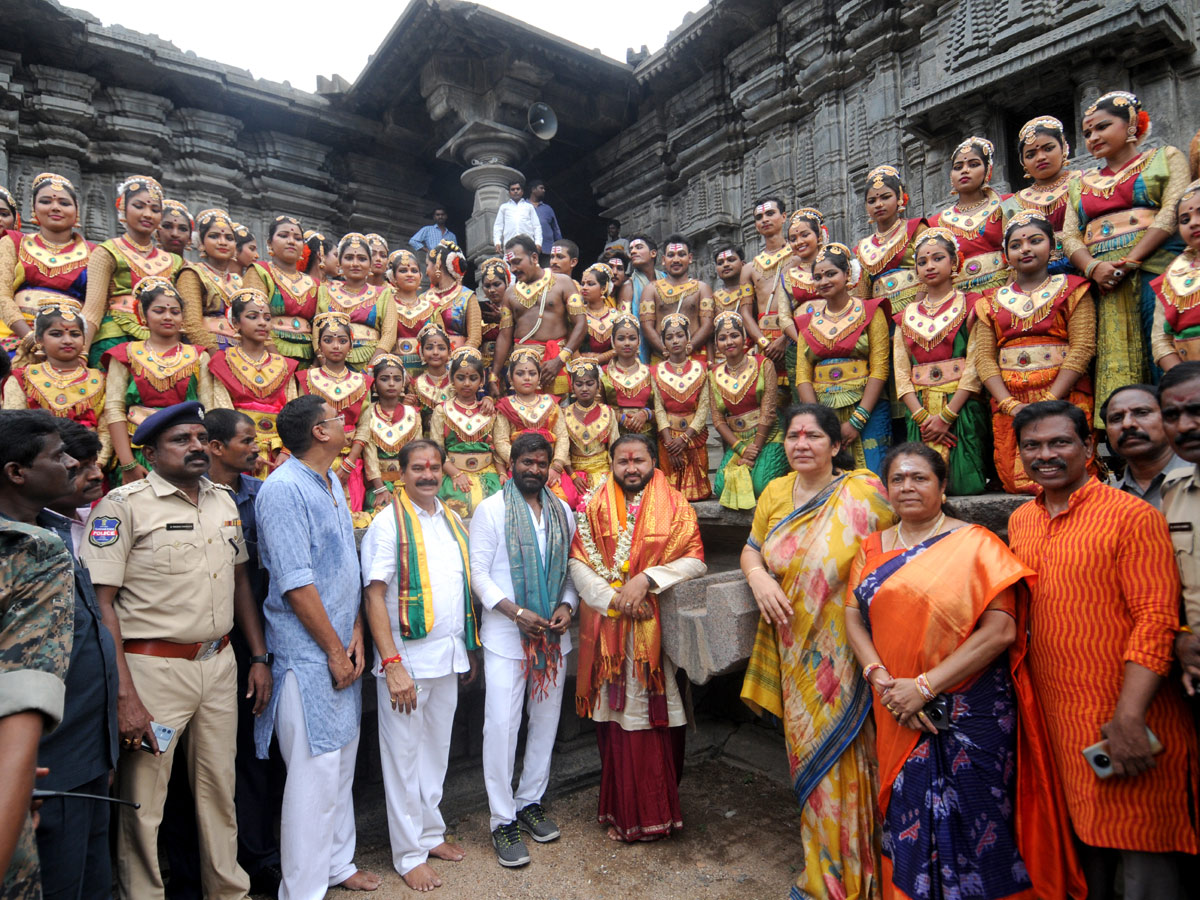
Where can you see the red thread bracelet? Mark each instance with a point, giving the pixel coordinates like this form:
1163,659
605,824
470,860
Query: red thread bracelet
387,662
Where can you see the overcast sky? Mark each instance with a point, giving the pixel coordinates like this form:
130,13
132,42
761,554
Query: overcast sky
299,40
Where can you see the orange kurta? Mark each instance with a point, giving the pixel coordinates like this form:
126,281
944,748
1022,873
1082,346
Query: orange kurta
1107,593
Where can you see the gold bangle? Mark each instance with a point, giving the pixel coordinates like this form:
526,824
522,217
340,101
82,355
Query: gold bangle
754,569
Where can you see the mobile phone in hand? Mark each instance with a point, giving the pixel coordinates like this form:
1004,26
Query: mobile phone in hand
1098,758
163,734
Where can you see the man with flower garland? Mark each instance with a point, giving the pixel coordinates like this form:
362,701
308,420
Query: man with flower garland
637,536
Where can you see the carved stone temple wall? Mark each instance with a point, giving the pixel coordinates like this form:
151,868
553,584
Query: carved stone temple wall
747,98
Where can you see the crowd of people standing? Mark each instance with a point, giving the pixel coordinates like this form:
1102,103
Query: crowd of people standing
524,456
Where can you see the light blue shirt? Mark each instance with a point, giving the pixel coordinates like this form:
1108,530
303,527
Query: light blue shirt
305,536
430,236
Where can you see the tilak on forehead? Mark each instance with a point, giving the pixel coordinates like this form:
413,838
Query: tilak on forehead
678,247
762,207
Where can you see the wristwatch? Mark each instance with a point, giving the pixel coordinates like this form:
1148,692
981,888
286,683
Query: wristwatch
266,659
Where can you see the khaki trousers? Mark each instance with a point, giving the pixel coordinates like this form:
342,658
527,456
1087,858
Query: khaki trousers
201,698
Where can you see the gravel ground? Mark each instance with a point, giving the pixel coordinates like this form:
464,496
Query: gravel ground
739,840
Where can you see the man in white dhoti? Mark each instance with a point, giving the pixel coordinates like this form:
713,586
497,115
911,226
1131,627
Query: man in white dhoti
418,603
520,542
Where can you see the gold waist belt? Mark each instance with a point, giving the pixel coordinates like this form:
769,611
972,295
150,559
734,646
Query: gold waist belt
895,283
363,334
982,264
842,371
933,374
678,423
220,325
407,346
1114,225
1188,348
744,422
292,325
1032,357
471,462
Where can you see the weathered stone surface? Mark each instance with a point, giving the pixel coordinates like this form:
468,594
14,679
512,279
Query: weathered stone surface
709,624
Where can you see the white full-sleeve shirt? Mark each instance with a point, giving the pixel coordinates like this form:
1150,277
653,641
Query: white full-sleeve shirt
516,217
444,649
491,576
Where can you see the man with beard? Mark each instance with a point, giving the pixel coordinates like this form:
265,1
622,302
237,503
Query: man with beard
643,253
618,260
82,752
1103,615
677,292
1179,396
1134,426
425,647
314,626
167,556
637,537
520,540
535,314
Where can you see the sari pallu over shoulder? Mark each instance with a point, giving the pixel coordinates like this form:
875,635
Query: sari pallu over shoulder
919,607
810,551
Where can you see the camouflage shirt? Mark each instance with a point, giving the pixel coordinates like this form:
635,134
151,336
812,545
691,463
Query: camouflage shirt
37,612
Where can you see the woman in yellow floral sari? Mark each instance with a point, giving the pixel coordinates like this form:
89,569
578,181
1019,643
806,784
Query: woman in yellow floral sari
807,530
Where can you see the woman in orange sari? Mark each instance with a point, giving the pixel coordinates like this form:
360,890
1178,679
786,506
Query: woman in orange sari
965,770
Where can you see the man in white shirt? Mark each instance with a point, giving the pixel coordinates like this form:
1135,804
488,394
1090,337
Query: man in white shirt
528,601
516,216
423,648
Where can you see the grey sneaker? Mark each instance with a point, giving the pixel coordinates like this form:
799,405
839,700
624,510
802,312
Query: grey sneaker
533,819
510,849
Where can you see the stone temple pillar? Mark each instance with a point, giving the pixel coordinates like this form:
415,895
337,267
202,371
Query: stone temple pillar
490,151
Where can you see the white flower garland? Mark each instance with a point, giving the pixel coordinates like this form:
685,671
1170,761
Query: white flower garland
615,575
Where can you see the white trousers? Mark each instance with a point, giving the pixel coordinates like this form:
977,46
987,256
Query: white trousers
508,690
316,832
414,749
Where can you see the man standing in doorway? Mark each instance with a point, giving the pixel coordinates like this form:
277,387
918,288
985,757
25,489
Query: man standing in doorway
516,216
547,220
429,236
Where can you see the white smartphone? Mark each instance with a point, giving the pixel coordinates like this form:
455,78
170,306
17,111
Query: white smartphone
163,734
1101,763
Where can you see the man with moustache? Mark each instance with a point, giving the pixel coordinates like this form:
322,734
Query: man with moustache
620,567
520,541
1134,427
315,631
564,258
535,314
643,254
1103,615
762,276
82,752
1179,397
167,556
731,292
618,260
425,647
677,292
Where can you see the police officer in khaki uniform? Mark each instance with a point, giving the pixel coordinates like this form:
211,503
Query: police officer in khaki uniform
1179,398
166,555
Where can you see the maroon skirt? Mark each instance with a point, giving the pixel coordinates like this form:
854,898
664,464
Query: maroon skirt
639,780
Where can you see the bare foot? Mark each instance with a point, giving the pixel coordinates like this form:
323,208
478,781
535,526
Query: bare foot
422,878
362,881
448,851
614,835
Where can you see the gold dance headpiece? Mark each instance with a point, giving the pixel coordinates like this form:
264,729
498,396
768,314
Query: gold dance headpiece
467,352
853,267
577,367
432,328
1131,107
519,354
175,206
672,319
1116,98
209,219
373,239
944,234
133,184
975,142
7,197
448,255
1189,192
627,318
813,218
601,269
388,359
403,257
63,307
58,182
1029,132
495,268
331,319
1023,218
729,317
146,286
248,297
353,239
876,175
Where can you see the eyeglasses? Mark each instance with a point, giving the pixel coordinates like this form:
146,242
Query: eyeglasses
333,419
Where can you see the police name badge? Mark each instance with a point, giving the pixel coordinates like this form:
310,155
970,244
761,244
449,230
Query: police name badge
104,531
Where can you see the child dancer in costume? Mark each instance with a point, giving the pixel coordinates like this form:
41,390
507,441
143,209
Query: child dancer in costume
431,387
744,392
145,376
1175,337
887,256
681,401
528,409
591,426
935,366
59,379
345,390
465,430
207,286
117,266
388,424
845,356
626,379
977,219
251,377
595,301
38,267
494,279
806,234
1034,341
